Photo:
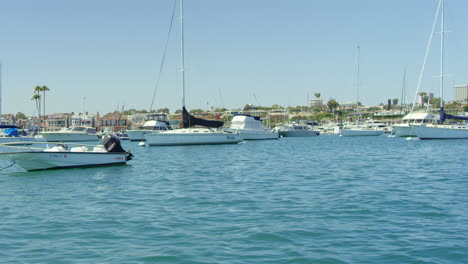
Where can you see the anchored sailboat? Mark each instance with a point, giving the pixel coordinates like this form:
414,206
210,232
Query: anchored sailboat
188,135
441,130
360,128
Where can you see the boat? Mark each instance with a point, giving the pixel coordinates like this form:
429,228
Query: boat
155,122
72,155
404,129
10,134
251,128
440,130
295,129
71,134
360,128
189,134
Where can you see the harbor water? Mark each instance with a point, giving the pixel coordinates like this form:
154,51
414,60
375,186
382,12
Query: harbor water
325,199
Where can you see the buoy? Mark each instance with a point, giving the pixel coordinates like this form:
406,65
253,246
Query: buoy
141,144
413,138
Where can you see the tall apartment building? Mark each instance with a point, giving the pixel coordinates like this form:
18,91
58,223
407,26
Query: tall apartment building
461,93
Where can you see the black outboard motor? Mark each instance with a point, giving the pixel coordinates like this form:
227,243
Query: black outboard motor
112,144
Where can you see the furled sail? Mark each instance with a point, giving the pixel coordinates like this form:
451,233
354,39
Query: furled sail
444,116
189,121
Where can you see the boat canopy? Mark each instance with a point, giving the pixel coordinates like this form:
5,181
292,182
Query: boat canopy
189,121
444,116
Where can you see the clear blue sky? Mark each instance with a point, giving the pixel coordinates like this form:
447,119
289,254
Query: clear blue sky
262,52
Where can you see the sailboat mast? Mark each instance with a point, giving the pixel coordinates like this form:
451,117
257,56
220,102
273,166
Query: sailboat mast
357,77
0,92
442,32
182,49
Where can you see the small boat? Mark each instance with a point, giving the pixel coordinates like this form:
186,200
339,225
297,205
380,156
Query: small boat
404,129
110,152
155,122
297,130
10,134
251,128
71,134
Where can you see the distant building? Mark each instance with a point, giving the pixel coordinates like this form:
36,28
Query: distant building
316,102
461,93
423,101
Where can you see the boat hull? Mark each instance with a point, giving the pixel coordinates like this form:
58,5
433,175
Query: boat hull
402,130
441,132
257,135
300,133
55,160
176,138
360,132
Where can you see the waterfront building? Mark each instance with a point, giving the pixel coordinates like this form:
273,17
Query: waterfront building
461,93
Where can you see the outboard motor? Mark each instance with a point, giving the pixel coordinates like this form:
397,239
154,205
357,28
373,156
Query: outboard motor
112,144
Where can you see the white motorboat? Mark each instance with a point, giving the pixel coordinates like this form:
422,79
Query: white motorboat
188,135
155,123
404,129
297,130
110,152
71,134
251,128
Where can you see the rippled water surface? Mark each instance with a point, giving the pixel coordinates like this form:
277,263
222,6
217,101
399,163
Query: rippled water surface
325,199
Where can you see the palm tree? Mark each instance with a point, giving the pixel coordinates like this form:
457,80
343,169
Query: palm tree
317,95
44,89
37,98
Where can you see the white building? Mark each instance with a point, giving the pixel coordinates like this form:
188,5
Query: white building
461,93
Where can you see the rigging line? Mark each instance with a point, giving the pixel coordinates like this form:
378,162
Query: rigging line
425,57
8,166
164,54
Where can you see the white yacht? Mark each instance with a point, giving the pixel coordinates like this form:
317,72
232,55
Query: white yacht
251,128
71,134
404,129
155,122
297,130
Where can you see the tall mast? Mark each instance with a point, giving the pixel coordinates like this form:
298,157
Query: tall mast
182,49
357,77
442,32
0,92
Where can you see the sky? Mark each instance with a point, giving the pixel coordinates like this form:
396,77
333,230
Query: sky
102,56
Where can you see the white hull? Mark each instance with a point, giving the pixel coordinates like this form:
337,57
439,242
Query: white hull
191,137
403,130
257,135
54,160
299,133
67,137
360,132
441,132
138,135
